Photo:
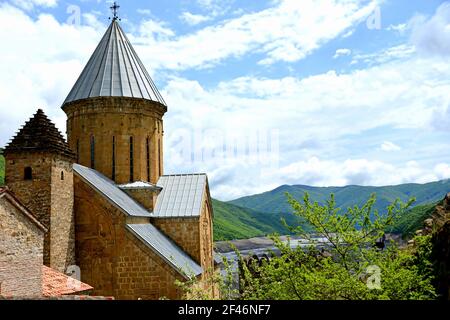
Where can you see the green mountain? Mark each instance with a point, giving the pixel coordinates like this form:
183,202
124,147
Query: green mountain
413,219
260,214
233,222
275,201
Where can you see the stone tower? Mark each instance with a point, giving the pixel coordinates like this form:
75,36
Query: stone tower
115,113
39,172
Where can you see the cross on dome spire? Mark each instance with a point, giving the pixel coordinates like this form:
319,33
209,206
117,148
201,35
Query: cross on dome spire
115,8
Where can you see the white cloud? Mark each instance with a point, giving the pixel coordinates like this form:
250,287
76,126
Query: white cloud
442,171
91,20
330,106
432,36
193,19
441,118
155,30
400,28
401,51
315,171
145,12
389,146
215,7
30,4
407,92
287,32
40,63
342,52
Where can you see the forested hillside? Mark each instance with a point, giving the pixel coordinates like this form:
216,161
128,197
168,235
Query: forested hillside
275,201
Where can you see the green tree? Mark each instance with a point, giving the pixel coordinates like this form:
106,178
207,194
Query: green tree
347,265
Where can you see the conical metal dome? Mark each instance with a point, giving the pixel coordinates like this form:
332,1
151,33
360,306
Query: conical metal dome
114,70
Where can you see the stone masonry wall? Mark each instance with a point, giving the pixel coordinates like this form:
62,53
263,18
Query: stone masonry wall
21,253
49,198
193,235
185,232
122,118
145,197
111,258
35,194
206,239
62,233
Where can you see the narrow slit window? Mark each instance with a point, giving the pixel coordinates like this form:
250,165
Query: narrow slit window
148,159
78,150
92,152
28,174
159,157
62,175
114,158
131,160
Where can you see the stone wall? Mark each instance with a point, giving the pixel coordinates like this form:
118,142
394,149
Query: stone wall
206,239
111,258
121,118
21,252
145,196
35,194
49,198
62,226
185,232
193,235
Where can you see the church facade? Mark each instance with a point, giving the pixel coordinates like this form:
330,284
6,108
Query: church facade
102,197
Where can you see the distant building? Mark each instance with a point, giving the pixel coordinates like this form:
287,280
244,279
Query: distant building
100,201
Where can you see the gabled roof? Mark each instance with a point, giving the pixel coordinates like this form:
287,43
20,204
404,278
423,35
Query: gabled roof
111,192
181,196
114,70
166,248
4,192
147,233
39,134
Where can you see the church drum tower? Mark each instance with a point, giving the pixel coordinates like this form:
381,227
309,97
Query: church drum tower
115,113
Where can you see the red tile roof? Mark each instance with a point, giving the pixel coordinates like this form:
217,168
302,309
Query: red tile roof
55,283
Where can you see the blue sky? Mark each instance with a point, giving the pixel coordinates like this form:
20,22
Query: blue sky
335,92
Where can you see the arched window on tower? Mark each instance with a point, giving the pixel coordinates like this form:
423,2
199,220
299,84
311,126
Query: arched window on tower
114,158
92,152
28,174
131,160
148,158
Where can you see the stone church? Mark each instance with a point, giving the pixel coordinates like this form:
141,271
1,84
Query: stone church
101,197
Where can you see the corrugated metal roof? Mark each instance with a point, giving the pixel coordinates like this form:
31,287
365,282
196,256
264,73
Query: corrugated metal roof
166,248
181,196
147,233
114,70
108,189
